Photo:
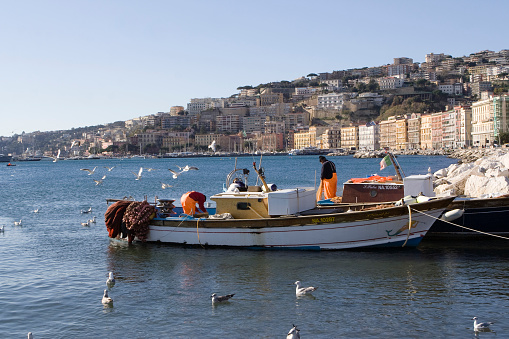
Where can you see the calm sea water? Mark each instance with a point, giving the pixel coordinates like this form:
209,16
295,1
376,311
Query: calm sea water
53,270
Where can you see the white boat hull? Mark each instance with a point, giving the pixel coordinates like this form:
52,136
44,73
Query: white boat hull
321,232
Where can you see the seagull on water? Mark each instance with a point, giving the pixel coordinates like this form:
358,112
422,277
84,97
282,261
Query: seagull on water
87,211
36,210
85,223
481,326
93,220
293,333
109,168
30,336
110,282
220,298
107,300
138,175
18,223
303,290
98,182
90,171
2,229
165,186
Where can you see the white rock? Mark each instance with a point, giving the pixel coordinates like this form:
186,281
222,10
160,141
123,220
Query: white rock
439,190
504,160
440,173
458,170
477,186
497,172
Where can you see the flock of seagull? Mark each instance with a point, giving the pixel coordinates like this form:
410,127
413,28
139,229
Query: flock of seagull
294,332
138,175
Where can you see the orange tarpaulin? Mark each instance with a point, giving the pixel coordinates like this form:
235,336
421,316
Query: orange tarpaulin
376,178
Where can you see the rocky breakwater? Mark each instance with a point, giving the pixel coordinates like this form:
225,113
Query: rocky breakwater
479,173
383,153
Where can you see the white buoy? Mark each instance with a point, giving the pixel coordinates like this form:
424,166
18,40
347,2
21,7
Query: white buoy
452,214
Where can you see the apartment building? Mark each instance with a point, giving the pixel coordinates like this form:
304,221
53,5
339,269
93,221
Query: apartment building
309,138
369,137
449,129
402,133
388,133
425,129
350,137
500,118
451,89
332,100
463,126
253,124
414,131
390,83
228,123
331,138
482,123
436,130
198,105
175,121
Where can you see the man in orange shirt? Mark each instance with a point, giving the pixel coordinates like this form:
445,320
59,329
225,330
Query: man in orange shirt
189,201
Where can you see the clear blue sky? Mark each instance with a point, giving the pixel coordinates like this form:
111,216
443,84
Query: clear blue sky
74,63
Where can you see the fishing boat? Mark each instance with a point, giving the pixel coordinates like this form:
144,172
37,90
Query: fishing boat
5,158
465,216
474,217
259,217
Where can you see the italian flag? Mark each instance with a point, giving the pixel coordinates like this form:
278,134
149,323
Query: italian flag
386,161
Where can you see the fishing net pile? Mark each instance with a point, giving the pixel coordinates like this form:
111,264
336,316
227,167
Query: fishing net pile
136,218
131,217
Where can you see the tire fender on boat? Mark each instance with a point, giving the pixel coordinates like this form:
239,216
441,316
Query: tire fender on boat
452,214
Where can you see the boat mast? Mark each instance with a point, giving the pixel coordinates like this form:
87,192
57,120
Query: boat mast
396,166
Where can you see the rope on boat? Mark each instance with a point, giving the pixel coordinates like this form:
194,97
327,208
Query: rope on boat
197,230
258,214
409,224
470,229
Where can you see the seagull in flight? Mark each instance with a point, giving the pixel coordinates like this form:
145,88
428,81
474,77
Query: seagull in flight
212,146
165,186
90,171
187,168
481,326
138,175
299,290
293,333
106,300
220,298
148,169
109,168
55,159
98,182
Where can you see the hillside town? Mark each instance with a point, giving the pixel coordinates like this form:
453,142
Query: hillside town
445,102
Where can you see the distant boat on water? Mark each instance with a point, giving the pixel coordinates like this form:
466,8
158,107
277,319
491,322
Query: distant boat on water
5,158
